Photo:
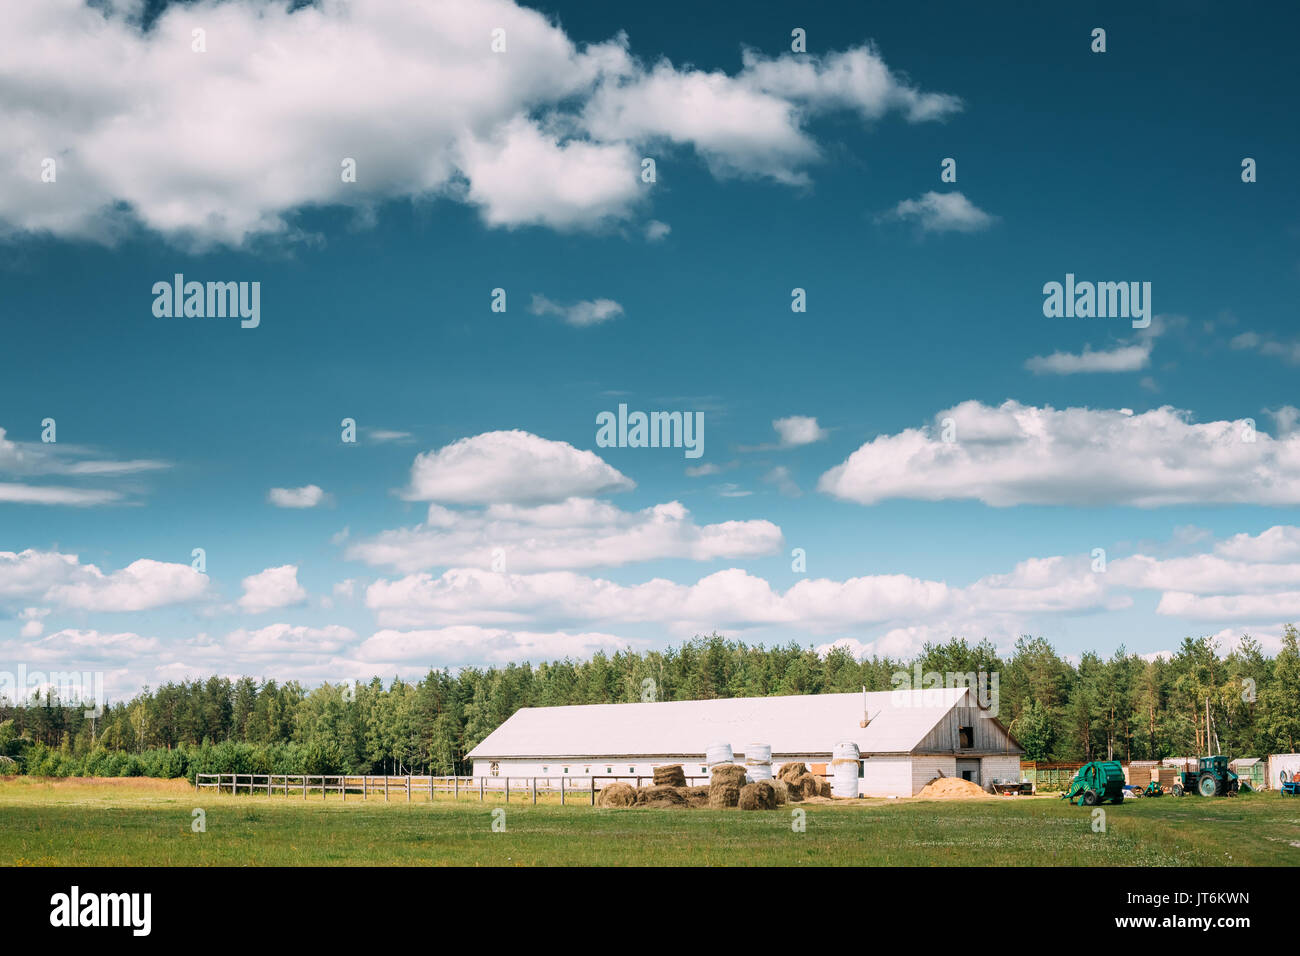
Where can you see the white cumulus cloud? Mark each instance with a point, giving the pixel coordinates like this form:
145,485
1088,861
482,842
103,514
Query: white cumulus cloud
511,467
272,588
308,496
227,144
1021,454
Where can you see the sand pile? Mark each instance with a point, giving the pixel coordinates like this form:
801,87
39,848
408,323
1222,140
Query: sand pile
952,788
670,776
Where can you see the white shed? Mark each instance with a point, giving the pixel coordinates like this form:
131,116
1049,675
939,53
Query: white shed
911,737
1280,762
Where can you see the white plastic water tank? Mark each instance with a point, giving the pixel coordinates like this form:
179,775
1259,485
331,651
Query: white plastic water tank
758,761
718,753
845,762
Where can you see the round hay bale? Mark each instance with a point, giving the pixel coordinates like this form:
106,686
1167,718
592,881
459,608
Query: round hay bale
696,796
660,797
670,776
723,795
807,785
616,795
782,791
823,787
791,772
760,795
728,773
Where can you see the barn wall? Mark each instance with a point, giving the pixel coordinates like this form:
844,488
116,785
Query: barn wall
925,769
886,777
946,733
998,768
627,769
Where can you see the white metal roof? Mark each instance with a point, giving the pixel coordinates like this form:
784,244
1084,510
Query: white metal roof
805,724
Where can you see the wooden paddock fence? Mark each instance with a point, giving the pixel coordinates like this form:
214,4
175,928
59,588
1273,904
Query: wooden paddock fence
368,785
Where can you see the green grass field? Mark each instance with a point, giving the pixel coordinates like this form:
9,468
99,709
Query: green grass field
148,822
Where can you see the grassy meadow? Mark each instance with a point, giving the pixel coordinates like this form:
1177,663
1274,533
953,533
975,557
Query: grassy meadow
140,821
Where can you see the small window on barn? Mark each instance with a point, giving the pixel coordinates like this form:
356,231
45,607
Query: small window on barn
566,769
609,770
545,768
966,738
631,769
862,768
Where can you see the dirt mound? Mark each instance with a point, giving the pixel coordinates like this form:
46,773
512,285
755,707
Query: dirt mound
670,776
616,795
791,772
952,788
723,795
660,797
760,795
728,773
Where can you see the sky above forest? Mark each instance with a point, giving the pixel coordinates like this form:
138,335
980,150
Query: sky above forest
472,242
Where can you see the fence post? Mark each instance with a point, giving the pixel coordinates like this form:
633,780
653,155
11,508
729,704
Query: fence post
304,786
534,791
408,788
385,787
561,791
507,789
455,794
592,780
480,788
365,779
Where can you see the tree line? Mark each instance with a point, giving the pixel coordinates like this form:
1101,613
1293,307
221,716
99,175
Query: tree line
1125,706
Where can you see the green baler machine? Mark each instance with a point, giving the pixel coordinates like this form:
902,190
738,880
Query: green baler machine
1096,783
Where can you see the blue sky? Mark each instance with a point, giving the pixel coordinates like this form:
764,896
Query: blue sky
519,170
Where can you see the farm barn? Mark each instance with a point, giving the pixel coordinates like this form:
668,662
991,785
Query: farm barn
909,738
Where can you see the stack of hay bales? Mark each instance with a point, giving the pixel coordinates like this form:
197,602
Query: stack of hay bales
670,776
696,796
661,796
787,775
616,795
759,795
725,784
802,784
